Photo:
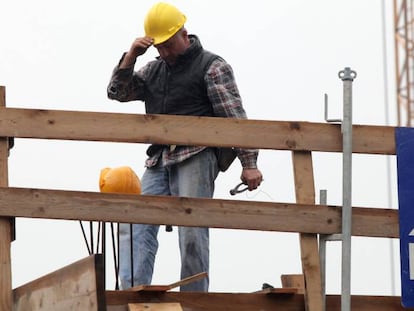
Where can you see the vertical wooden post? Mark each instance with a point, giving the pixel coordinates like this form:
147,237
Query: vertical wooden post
6,297
305,194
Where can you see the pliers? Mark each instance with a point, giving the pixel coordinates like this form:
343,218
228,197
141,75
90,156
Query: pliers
236,189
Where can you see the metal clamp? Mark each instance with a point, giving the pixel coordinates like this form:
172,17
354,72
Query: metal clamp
347,74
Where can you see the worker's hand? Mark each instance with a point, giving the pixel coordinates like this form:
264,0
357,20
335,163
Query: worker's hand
138,47
252,177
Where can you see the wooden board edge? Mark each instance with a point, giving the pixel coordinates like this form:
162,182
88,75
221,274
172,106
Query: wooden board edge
36,294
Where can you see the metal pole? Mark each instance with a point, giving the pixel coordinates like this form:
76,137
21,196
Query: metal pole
322,251
347,76
387,122
104,251
131,244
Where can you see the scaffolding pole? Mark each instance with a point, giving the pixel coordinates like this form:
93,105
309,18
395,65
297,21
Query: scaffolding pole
347,76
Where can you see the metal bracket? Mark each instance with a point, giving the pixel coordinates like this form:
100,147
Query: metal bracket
326,112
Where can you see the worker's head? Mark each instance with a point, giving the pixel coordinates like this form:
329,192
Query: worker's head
164,23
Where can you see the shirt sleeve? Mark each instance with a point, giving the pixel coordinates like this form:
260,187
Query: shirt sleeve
225,98
127,85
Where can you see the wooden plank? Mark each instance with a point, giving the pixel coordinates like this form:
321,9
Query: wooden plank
293,281
278,291
118,301
79,286
6,298
199,301
232,214
366,303
204,131
305,193
164,288
189,280
154,307
149,288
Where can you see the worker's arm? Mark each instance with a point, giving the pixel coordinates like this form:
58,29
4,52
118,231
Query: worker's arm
226,101
125,84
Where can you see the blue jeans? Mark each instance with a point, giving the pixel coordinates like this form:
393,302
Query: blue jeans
193,177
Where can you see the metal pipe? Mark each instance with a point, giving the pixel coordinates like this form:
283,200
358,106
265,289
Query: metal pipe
322,251
131,243
387,122
91,234
104,252
347,76
115,251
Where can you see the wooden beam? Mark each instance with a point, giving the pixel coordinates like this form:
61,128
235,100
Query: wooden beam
79,286
174,306
181,211
293,281
164,288
305,194
203,131
6,297
199,301
118,300
283,290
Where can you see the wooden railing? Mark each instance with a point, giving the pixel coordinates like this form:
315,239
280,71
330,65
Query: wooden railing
304,217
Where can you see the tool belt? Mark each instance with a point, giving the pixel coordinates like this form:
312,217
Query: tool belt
153,149
225,156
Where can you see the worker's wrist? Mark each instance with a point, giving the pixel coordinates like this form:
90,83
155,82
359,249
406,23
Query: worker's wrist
248,158
128,60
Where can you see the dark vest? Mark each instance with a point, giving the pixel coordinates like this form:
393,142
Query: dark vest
180,89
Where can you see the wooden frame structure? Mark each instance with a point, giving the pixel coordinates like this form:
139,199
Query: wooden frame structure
305,217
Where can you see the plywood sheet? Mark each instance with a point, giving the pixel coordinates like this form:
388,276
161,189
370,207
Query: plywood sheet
79,286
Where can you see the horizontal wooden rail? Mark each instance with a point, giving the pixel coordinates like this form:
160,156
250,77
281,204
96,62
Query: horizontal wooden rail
215,213
248,301
184,130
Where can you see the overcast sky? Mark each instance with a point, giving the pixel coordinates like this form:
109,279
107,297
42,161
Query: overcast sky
285,55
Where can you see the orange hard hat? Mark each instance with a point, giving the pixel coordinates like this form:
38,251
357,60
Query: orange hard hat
119,180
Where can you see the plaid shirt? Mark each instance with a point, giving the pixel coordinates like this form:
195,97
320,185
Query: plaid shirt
222,91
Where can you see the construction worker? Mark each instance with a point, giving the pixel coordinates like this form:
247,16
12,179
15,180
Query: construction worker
184,80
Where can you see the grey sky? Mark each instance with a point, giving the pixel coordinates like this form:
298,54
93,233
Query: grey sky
285,55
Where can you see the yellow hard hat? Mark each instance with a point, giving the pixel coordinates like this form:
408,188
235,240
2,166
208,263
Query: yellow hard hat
163,21
119,180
